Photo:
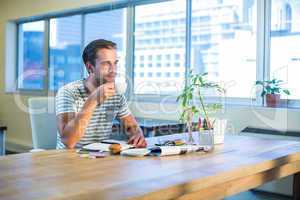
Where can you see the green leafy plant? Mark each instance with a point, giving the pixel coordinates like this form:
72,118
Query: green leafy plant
273,86
192,99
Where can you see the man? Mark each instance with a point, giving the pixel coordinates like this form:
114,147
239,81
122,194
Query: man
86,108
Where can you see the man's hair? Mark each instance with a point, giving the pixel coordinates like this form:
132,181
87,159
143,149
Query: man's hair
90,51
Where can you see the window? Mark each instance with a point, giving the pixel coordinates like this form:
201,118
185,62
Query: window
218,50
65,51
31,65
167,74
110,25
285,43
162,13
223,42
64,63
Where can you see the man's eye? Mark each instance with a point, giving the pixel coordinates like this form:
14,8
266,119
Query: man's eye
105,63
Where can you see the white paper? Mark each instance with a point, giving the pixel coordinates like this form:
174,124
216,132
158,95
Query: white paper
170,150
176,150
105,146
97,147
135,152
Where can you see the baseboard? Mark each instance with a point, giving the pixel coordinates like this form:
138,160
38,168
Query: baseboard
17,146
250,129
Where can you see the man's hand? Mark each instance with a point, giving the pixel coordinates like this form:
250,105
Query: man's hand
138,140
104,91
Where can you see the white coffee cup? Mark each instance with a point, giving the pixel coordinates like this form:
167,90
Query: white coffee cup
120,86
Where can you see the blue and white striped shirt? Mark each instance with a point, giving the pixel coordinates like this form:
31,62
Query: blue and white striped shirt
70,99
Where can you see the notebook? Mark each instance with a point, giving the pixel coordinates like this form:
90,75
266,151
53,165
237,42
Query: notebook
104,145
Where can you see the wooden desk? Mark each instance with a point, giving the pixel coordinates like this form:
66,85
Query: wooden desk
2,139
241,164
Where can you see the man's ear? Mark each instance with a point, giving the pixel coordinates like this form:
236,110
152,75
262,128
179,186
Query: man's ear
90,68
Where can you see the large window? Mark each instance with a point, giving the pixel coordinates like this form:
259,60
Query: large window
159,42
160,31
224,43
285,43
109,25
31,68
65,51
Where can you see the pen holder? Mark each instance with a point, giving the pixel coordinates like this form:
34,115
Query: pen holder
213,136
206,137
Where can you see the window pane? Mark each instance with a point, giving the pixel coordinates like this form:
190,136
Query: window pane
285,43
31,69
224,43
109,25
65,51
160,39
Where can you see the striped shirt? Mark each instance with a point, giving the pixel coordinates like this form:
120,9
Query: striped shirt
70,99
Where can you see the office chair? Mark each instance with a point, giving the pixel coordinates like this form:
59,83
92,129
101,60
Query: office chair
43,122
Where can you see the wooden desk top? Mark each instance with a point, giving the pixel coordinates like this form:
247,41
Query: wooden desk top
242,163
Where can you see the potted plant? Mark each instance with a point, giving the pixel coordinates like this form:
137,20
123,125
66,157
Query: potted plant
271,90
193,106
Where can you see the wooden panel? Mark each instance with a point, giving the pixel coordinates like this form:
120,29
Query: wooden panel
242,163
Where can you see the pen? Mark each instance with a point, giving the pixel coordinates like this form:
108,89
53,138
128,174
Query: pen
199,123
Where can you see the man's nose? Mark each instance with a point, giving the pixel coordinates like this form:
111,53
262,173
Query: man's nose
113,68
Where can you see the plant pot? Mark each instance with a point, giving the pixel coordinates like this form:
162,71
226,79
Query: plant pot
214,136
272,100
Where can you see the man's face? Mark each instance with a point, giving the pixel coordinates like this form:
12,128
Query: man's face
105,66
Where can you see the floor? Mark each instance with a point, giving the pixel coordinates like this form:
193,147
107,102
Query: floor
255,195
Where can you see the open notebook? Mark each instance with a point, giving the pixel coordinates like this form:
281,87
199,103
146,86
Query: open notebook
104,145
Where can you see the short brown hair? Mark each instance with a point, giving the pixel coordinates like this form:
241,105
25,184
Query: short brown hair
90,51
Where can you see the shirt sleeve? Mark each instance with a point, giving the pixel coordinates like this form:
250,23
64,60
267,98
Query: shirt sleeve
64,101
123,108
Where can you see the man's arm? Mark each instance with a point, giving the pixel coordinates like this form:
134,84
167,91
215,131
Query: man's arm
134,131
72,125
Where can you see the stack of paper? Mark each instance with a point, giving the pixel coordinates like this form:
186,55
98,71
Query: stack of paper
164,150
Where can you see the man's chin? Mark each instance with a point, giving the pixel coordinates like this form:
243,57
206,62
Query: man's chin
109,79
